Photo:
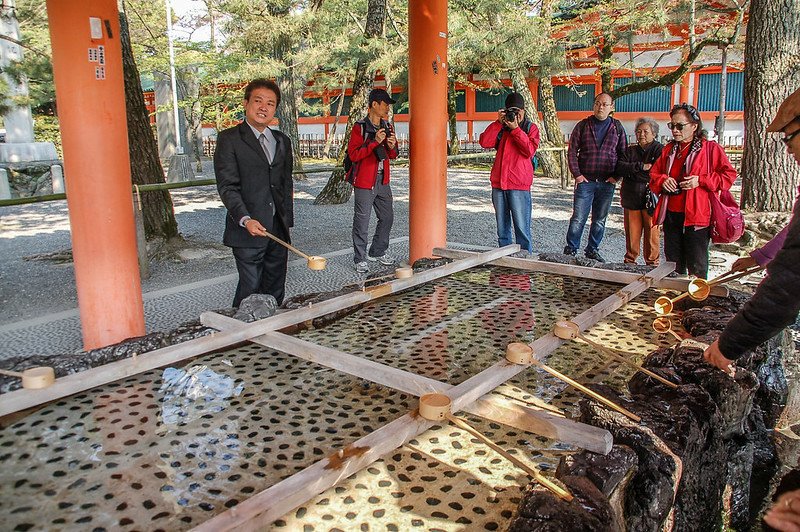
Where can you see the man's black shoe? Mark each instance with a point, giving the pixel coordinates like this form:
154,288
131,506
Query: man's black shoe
594,256
569,251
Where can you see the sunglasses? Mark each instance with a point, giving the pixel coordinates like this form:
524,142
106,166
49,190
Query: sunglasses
788,138
691,109
678,125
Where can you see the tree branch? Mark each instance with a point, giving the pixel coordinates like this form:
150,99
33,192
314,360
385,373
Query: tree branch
23,45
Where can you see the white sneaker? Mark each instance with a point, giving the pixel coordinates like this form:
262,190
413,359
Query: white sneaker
361,267
385,259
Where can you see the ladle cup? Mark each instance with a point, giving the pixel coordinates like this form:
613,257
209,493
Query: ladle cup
438,407
314,262
663,325
699,289
33,378
569,330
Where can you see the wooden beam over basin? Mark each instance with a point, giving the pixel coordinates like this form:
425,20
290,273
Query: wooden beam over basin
272,503
490,407
584,272
85,380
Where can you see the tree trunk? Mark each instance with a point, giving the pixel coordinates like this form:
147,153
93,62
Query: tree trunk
547,161
605,53
772,46
719,127
158,214
455,146
332,131
337,190
287,111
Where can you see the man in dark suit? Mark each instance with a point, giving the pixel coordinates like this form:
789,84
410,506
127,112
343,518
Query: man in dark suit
253,166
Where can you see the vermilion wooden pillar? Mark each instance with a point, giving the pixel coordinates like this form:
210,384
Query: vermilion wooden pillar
427,95
87,68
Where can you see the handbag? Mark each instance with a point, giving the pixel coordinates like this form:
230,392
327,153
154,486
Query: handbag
650,200
660,212
727,222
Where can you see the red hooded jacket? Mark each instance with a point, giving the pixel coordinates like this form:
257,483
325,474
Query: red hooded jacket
715,173
512,168
364,161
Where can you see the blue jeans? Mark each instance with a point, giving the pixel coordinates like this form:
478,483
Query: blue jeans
595,196
513,206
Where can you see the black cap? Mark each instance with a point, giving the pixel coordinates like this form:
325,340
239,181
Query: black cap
515,99
379,95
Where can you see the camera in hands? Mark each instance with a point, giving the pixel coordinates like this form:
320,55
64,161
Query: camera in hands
512,114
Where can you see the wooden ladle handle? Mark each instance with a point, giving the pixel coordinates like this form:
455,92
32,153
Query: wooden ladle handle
614,354
286,245
11,373
537,476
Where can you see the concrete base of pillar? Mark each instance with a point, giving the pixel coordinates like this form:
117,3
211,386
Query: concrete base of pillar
57,174
180,169
5,188
27,152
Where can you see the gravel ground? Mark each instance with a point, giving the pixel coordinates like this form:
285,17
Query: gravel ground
32,288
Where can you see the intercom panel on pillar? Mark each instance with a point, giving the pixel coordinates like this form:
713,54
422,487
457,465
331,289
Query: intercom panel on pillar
90,96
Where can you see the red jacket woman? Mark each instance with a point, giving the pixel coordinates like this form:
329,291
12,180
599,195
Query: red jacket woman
689,170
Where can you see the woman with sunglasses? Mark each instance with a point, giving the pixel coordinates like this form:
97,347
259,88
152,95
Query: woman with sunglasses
689,170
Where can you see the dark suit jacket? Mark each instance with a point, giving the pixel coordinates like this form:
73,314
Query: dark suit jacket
250,186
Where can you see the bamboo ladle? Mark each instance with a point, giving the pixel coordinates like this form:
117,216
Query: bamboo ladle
437,407
314,262
33,378
519,353
569,330
700,289
663,325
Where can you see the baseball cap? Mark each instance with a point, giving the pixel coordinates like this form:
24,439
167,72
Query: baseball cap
379,95
788,111
515,99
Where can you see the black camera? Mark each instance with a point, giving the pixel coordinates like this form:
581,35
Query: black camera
512,114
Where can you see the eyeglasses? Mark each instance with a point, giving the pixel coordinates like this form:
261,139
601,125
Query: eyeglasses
678,125
788,138
603,104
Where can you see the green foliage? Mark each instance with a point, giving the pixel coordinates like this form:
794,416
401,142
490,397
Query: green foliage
45,129
36,65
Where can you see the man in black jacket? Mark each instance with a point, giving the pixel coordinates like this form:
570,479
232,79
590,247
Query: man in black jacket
776,302
253,166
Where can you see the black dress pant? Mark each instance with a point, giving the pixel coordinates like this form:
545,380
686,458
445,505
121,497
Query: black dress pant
262,270
686,246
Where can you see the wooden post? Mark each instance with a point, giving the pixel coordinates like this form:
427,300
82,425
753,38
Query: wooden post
87,70
427,98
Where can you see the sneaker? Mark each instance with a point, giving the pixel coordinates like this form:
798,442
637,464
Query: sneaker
362,267
569,251
385,259
595,256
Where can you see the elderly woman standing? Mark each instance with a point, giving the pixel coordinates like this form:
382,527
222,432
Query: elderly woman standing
634,169
689,170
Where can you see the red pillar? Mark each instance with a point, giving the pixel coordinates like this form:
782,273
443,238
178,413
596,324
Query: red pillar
427,96
91,111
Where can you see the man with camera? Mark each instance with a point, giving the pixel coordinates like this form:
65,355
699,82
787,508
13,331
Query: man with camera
372,144
516,139
595,146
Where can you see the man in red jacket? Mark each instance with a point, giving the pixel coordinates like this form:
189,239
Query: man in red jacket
516,138
372,144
